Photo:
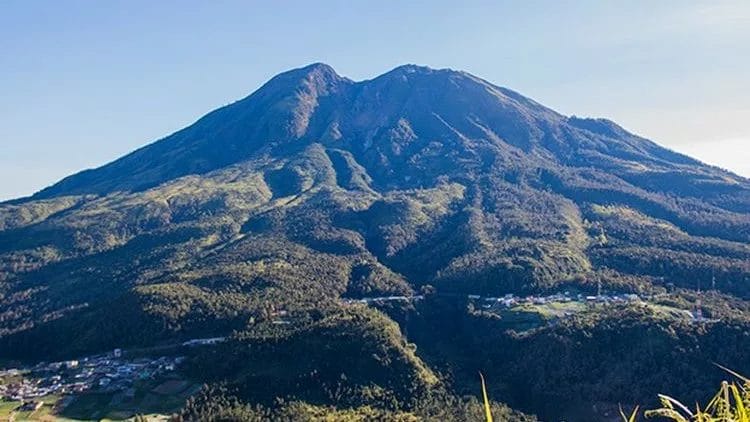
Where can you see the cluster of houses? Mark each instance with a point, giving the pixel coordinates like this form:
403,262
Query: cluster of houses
383,299
204,341
102,373
511,300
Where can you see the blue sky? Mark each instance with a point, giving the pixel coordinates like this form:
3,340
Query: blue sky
83,82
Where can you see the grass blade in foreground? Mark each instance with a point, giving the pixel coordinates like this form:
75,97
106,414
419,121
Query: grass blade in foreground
728,405
487,412
633,415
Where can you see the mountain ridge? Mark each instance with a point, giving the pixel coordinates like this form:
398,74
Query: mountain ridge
300,86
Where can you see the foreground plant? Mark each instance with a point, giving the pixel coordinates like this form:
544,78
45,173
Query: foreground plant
487,412
730,404
633,416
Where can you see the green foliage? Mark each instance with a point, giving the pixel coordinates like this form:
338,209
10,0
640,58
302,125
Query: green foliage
353,356
608,354
354,359
218,402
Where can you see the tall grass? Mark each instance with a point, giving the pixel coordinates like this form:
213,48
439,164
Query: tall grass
633,416
487,412
730,404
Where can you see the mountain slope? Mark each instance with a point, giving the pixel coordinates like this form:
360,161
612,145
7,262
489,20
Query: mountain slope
316,186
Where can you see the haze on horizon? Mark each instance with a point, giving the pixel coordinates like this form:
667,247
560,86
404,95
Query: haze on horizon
85,82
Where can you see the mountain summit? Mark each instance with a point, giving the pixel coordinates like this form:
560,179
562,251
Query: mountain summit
316,187
384,122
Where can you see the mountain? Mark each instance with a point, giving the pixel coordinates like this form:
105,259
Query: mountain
316,187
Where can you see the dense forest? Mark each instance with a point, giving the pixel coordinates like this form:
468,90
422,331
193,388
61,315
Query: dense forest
606,355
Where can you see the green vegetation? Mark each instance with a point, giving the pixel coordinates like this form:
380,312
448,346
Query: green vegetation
354,358
7,408
218,403
626,353
355,349
162,396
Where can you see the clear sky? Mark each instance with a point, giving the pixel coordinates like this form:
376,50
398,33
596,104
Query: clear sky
83,82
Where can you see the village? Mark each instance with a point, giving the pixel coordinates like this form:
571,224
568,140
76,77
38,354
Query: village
107,373
114,374
576,302
510,299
